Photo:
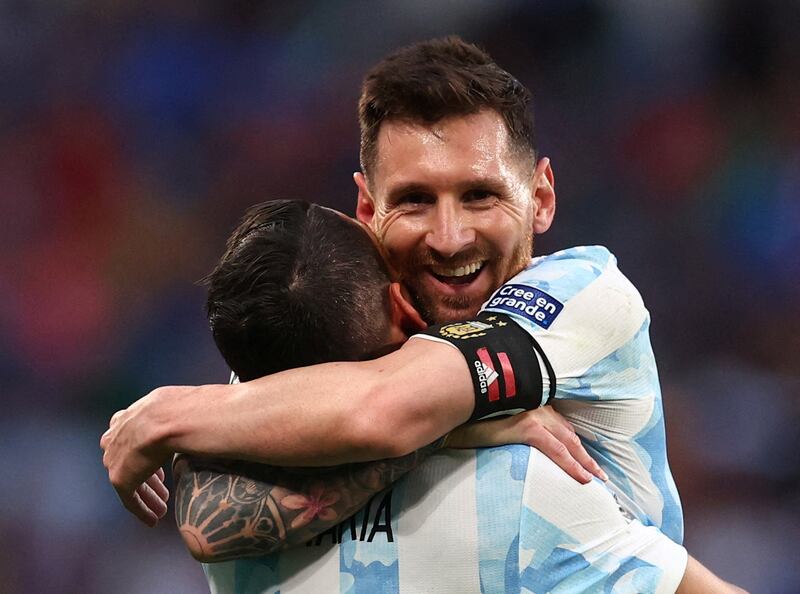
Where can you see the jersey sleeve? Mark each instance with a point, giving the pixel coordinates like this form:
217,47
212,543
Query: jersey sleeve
593,329
583,312
576,538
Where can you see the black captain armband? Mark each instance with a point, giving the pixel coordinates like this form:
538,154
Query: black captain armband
503,360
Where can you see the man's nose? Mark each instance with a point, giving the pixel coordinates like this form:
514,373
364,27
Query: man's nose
451,230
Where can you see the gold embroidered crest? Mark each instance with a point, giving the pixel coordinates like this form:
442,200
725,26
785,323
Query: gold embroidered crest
464,330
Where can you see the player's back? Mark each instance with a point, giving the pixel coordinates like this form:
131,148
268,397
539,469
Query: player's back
471,521
421,535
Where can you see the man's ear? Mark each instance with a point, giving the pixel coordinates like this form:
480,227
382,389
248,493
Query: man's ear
544,196
365,208
405,316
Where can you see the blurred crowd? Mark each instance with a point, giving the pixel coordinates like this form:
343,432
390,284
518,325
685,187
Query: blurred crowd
133,135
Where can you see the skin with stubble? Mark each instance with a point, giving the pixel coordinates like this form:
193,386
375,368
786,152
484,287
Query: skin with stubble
455,207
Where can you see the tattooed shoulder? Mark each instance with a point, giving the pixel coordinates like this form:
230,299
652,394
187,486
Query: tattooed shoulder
224,510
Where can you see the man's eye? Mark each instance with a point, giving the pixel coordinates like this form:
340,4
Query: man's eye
416,198
478,195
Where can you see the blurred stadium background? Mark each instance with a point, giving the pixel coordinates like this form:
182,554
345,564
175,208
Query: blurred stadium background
133,135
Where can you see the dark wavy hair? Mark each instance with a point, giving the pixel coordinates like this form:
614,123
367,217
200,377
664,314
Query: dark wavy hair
434,79
298,284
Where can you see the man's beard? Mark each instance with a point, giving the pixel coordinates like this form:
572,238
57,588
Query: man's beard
432,307
429,306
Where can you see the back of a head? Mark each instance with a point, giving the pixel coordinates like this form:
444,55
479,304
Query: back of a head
298,284
435,79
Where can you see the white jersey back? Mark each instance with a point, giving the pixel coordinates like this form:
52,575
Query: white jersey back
473,521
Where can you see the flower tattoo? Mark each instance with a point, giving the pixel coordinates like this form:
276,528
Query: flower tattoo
317,503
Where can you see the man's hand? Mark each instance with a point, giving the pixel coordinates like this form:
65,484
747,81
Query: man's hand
543,429
133,458
154,495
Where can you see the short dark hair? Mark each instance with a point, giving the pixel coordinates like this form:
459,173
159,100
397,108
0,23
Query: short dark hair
431,80
298,284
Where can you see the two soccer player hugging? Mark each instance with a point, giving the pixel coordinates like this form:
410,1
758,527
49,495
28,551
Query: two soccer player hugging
313,311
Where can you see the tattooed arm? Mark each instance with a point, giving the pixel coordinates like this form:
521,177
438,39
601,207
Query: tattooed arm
231,509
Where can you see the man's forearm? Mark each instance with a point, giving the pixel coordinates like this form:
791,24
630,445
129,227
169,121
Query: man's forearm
231,509
322,415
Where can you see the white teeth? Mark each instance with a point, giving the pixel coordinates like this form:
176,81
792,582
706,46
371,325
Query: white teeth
460,271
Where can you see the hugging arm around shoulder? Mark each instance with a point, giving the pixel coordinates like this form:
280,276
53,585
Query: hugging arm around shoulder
337,413
230,509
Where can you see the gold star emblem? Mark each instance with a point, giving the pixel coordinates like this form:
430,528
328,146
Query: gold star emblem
491,319
501,324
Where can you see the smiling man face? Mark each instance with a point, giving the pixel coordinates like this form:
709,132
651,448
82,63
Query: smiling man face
456,207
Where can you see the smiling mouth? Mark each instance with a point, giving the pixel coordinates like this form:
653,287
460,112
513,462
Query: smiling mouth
461,275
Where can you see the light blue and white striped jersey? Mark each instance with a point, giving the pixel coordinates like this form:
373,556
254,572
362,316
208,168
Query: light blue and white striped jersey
593,327
473,521
507,519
